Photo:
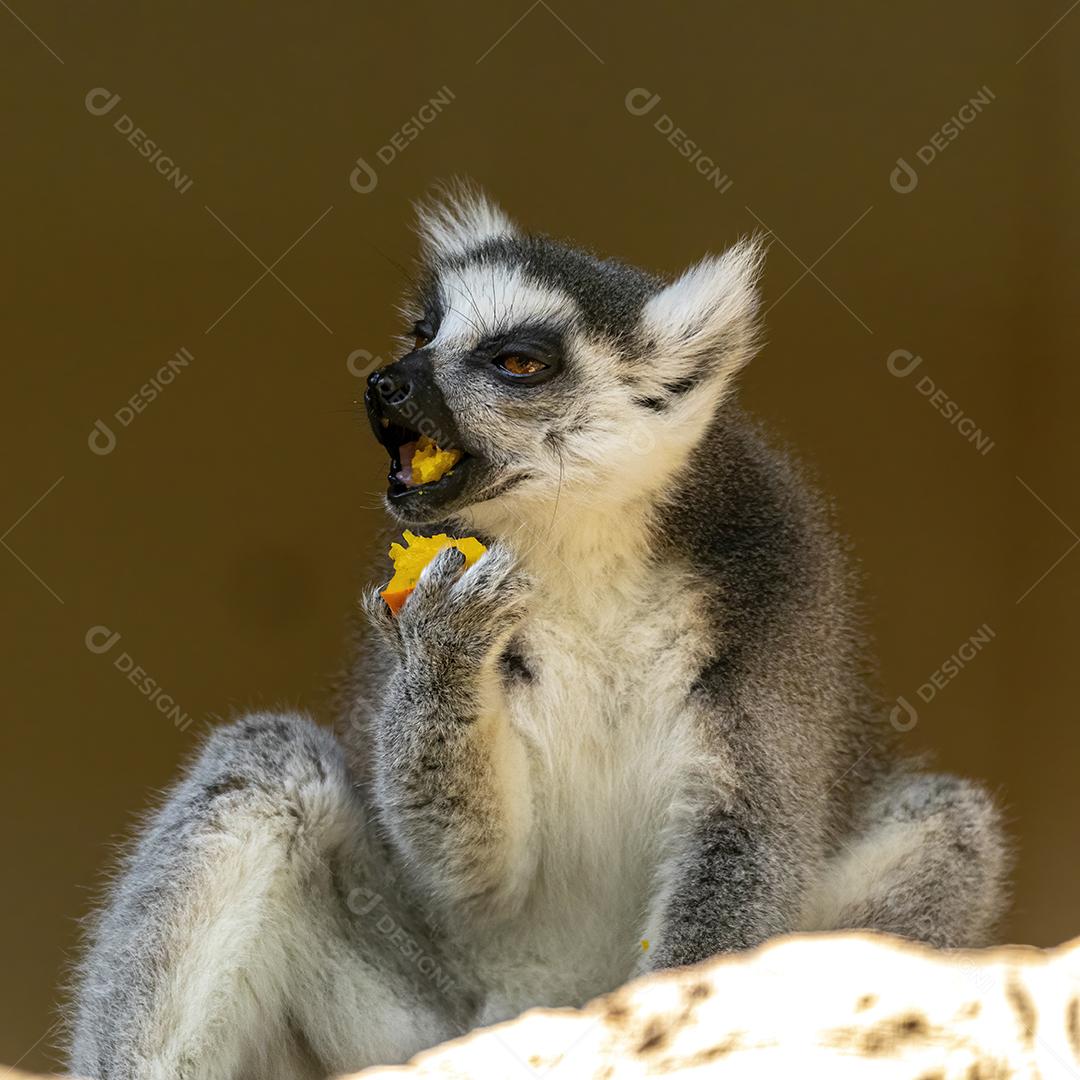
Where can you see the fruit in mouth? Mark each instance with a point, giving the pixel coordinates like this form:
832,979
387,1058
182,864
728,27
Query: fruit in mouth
416,459
411,558
429,462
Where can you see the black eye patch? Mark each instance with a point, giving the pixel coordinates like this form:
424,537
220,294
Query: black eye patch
527,355
539,339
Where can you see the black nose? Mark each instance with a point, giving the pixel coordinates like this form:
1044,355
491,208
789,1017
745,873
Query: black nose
393,388
405,398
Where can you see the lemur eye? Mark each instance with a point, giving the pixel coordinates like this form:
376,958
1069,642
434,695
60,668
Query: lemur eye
520,365
421,341
422,335
523,363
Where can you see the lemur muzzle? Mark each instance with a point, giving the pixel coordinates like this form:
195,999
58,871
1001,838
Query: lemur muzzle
406,409
405,395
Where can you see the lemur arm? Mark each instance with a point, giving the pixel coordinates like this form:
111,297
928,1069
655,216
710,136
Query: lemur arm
729,886
451,777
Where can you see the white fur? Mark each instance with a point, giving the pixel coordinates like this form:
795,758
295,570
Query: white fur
460,217
482,301
711,309
864,869
613,475
605,728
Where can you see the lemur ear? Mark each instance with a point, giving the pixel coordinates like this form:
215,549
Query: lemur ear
456,217
705,322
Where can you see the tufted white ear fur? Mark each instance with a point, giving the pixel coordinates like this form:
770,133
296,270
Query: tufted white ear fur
705,322
457,217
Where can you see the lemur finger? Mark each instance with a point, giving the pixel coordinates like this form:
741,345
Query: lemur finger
495,572
495,591
379,615
440,573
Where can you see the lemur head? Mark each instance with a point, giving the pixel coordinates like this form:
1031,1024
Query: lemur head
561,379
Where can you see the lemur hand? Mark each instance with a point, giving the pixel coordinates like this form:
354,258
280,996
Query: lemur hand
455,621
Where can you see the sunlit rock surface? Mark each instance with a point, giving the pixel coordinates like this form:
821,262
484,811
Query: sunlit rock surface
844,1005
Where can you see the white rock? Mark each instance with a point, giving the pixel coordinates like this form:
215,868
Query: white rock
829,1005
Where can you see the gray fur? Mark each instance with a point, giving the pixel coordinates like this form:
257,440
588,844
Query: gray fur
637,733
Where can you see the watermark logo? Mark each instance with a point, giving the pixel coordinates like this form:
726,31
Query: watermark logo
102,438
904,716
902,363
100,640
642,102
360,363
101,102
364,177
639,436
905,177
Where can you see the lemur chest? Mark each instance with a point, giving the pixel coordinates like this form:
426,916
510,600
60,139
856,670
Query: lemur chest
596,683
598,692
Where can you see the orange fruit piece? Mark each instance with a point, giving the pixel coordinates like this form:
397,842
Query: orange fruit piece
429,462
411,558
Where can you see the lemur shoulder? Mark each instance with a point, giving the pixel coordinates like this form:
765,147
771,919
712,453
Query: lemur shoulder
636,733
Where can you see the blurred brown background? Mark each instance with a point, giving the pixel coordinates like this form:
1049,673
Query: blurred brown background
225,533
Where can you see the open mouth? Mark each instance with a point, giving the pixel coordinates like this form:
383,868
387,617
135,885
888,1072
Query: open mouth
417,463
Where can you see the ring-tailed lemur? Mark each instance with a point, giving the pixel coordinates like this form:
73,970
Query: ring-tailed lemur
634,734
